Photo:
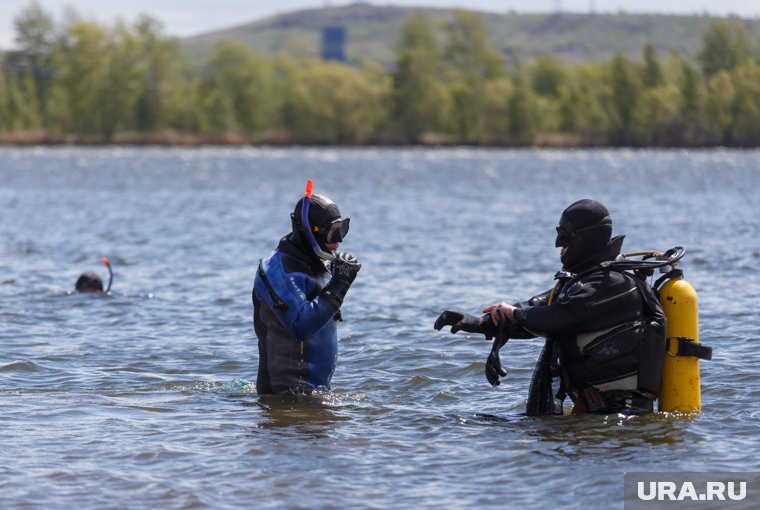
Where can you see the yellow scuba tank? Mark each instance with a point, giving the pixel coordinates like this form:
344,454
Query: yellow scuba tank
680,390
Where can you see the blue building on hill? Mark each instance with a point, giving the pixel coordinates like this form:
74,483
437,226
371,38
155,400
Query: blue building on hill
334,43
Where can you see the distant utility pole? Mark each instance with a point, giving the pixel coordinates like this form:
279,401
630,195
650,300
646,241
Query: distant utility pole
557,5
592,7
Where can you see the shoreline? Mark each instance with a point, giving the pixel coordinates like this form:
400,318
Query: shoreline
174,139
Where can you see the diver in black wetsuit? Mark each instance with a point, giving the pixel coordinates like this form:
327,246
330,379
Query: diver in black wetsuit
604,327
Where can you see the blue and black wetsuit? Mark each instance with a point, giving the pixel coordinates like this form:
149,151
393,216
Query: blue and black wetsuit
294,314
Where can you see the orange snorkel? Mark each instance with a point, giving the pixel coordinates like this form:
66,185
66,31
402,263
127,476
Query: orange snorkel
106,263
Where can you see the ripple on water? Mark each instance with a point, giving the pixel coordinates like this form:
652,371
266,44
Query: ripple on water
22,366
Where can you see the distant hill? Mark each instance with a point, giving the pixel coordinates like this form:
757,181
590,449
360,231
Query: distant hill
373,32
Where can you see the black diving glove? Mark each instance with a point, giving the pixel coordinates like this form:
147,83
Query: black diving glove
344,270
466,322
494,368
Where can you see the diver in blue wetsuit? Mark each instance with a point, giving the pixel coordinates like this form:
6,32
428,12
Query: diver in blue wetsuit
297,295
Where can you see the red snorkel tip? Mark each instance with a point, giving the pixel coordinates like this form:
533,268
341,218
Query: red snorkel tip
105,262
309,187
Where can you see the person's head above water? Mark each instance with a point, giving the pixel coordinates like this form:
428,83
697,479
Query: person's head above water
90,282
585,228
325,223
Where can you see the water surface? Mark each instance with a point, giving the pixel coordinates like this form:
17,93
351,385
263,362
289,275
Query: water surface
144,398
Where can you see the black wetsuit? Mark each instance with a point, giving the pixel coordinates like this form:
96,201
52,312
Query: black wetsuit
599,319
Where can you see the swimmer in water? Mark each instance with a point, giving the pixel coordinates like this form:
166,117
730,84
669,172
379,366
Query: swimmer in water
91,282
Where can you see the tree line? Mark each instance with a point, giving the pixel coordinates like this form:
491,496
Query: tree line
83,82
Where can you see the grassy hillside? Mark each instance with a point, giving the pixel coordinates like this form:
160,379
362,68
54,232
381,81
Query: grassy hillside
373,32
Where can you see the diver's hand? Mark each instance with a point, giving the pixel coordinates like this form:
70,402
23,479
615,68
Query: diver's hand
344,269
494,368
460,321
507,309
345,266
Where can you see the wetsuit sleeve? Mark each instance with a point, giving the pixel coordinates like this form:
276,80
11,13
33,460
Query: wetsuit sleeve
539,300
602,299
301,316
516,330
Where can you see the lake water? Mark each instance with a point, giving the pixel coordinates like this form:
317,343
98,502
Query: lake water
144,399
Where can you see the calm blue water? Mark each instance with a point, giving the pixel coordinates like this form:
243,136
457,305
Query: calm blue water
143,399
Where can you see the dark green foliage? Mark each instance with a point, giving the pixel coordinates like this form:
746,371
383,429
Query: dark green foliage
35,40
549,75
521,108
651,75
236,89
418,94
725,46
691,105
625,89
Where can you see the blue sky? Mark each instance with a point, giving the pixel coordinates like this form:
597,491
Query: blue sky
190,17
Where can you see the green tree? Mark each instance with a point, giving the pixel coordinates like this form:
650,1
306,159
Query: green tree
83,77
35,53
287,74
583,101
5,113
333,103
468,50
721,95
725,46
219,114
381,91
122,82
656,116
419,96
551,81
651,75
522,121
21,103
624,95
233,72
549,75
746,105
692,105
469,61
164,92
495,112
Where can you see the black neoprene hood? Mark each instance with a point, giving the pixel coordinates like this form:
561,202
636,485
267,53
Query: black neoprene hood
89,282
585,227
322,212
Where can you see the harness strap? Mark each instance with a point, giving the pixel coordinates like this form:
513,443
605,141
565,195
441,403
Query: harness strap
594,400
276,301
688,347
